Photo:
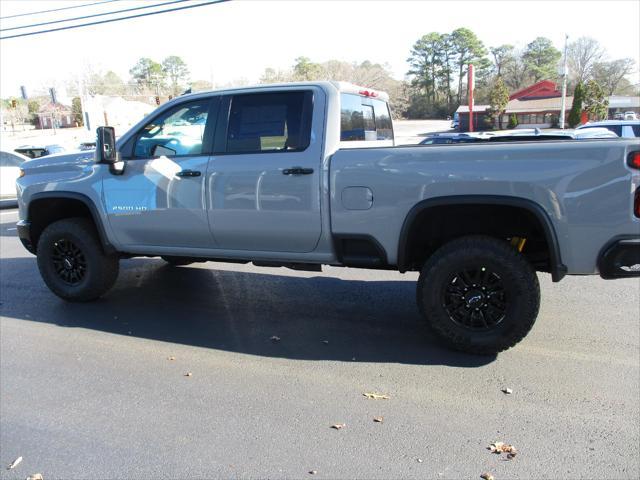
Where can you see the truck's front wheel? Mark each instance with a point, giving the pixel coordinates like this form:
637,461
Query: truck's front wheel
72,262
479,294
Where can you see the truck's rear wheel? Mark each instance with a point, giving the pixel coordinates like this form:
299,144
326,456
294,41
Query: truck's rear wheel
479,294
72,262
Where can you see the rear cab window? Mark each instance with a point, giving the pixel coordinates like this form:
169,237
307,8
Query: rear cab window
364,119
270,122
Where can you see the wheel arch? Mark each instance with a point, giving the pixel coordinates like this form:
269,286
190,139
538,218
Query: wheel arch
421,210
47,207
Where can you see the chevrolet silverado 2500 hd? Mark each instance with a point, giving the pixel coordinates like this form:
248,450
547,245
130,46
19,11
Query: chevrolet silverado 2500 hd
281,176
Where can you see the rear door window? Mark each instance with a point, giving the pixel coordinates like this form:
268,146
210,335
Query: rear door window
270,122
364,119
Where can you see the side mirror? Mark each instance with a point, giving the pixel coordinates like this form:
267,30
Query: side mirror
106,145
106,150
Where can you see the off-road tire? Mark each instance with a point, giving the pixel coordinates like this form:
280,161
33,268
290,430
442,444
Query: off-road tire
100,270
177,261
520,287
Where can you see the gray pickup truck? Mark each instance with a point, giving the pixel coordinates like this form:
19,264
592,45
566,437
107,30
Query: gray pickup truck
305,175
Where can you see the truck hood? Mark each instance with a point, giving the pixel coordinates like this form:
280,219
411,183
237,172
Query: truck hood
60,160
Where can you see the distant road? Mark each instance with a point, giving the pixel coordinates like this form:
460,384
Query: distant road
412,131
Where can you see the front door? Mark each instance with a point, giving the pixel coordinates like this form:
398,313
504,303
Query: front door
159,200
264,185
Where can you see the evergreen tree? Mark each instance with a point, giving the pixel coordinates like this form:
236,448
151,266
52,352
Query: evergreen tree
576,107
595,101
498,99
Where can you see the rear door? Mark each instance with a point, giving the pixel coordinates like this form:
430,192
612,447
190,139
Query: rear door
264,180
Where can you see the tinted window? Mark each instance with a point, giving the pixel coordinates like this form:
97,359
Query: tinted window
269,122
32,152
8,160
179,131
364,119
636,130
351,118
384,127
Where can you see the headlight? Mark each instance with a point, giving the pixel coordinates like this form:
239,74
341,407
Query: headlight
21,174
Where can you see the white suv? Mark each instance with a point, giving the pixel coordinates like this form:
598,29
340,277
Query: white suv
622,128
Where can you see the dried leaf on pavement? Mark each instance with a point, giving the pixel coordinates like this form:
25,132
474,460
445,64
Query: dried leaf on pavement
313,472
501,447
378,419
188,374
507,391
487,476
338,426
14,464
171,358
376,396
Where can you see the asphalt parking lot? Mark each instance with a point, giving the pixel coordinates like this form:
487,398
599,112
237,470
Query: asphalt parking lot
100,390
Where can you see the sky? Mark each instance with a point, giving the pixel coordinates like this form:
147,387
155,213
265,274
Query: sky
235,41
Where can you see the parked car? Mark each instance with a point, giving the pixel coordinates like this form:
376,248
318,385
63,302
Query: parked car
10,163
517,135
630,116
32,151
87,145
447,138
622,128
273,179
455,123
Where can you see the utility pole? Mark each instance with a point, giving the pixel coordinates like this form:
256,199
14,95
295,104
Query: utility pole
563,104
85,117
470,89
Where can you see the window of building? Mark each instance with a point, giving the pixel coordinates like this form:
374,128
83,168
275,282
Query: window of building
270,122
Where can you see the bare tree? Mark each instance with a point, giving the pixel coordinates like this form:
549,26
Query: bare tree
611,75
582,55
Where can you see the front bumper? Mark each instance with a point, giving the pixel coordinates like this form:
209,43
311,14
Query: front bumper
24,234
620,258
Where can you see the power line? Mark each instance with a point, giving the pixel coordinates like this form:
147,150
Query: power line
93,15
58,9
113,19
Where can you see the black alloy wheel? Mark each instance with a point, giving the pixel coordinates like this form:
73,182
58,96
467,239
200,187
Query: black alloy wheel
69,262
476,299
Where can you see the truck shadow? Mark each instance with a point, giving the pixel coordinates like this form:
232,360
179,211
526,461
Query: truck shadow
315,318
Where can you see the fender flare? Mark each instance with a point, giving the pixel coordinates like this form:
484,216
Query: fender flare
558,269
95,214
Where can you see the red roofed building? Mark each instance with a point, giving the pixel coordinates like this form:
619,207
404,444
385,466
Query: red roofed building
542,89
538,106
